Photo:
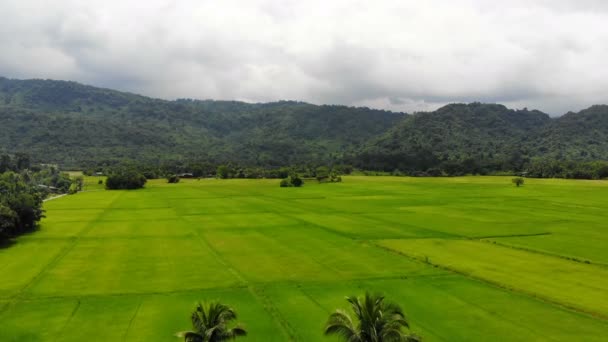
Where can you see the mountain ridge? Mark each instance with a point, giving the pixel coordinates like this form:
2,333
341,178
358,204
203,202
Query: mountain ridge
72,124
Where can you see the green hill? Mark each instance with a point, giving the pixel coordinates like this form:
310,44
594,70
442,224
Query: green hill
73,125
70,124
477,137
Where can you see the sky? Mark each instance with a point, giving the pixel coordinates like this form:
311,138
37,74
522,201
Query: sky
401,55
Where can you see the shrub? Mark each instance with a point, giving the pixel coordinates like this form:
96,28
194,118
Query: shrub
518,181
125,179
73,189
173,179
296,181
291,181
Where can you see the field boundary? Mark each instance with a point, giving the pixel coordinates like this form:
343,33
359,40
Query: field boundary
592,314
541,252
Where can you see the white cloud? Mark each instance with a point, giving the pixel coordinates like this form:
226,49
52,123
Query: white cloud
400,55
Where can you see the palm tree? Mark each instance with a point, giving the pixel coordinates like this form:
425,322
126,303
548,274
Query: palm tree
377,321
210,324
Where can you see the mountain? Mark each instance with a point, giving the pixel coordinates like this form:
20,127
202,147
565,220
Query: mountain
575,136
75,125
476,137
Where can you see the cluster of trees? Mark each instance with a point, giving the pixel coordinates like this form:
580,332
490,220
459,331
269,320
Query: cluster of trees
20,204
126,178
23,187
536,168
173,179
551,168
199,169
324,174
291,181
375,320
321,173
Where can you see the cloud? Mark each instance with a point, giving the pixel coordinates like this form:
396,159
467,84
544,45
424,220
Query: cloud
399,55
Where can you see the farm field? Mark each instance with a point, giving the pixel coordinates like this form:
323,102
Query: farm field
468,258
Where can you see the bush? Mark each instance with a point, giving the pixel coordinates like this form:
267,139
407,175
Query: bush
125,179
296,181
291,181
73,189
173,179
518,181
100,182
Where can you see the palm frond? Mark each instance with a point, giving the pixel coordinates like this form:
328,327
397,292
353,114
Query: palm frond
377,320
210,323
340,323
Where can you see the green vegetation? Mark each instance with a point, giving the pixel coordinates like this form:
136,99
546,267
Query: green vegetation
477,138
467,258
22,190
125,178
292,181
211,324
376,320
518,181
172,179
86,127
83,126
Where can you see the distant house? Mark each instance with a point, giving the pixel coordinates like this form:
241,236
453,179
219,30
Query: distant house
49,188
98,173
186,175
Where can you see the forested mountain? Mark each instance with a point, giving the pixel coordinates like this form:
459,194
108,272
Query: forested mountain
477,137
75,125
71,124
575,136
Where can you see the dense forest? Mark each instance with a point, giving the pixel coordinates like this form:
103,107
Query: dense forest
71,124
482,138
78,126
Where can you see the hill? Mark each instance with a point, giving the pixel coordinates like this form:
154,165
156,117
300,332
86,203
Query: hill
476,137
71,124
74,125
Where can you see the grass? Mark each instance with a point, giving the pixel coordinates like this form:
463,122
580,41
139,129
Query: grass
469,258
537,274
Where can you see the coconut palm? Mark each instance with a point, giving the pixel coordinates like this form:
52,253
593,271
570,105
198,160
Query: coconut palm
377,320
210,323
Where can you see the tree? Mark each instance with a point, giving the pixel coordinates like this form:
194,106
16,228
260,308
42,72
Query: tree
22,161
223,172
376,321
210,323
5,163
322,173
518,181
125,179
173,179
8,221
292,181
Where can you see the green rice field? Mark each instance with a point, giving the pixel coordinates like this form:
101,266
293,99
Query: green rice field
468,258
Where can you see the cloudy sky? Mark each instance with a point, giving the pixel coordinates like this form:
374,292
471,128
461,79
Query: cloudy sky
402,55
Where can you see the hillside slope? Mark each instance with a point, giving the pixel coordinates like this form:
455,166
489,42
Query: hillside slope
70,123
73,124
487,136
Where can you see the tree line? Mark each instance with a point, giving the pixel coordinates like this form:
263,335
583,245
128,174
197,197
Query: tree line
23,187
85,127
